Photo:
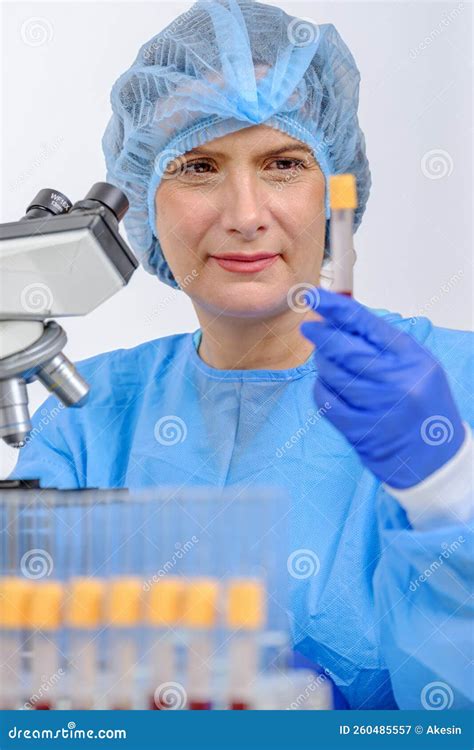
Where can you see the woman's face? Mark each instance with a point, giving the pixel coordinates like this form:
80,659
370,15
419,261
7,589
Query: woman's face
253,192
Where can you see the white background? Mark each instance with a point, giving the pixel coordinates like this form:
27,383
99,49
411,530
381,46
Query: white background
415,243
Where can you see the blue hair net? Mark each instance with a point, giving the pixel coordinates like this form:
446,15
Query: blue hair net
221,66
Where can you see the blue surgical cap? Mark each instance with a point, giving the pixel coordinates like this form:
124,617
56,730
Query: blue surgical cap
221,66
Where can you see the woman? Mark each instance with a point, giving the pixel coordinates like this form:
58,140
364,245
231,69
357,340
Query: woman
224,132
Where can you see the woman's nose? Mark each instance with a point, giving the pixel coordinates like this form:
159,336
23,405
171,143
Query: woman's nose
244,207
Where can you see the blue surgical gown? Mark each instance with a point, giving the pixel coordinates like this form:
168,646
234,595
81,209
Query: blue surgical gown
381,642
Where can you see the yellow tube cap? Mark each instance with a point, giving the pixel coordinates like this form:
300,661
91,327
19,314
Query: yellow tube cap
165,601
342,191
124,603
45,606
84,602
15,594
245,604
200,603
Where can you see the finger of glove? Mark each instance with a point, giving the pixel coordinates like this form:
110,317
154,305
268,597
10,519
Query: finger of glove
353,353
346,313
357,391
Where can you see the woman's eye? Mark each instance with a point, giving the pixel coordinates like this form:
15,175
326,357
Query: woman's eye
197,167
287,163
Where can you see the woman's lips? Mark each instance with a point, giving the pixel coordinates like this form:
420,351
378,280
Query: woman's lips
245,265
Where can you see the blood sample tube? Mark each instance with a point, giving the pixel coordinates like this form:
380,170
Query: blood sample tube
164,607
44,621
245,615
199,617
343,202
123,616
14,598
83,617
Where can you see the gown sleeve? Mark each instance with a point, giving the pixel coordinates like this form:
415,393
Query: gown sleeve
47,455
423,588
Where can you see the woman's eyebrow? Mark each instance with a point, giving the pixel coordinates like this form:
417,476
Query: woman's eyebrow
269,152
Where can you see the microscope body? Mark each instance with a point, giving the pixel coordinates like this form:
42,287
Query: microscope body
59,260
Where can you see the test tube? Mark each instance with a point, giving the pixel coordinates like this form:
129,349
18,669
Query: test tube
83,617
245,616
124,615
199,616
44,620
343,201
165,605
14,596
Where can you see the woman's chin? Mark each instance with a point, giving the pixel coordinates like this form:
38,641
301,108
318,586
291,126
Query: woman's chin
249,300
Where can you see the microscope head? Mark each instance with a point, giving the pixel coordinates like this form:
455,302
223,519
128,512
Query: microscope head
75,259
58,260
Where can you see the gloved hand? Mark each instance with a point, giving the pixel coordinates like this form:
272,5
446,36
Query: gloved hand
388,395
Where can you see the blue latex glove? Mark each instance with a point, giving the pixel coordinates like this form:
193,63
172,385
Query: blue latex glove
388,395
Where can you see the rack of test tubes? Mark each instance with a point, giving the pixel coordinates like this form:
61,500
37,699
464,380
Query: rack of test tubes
159,599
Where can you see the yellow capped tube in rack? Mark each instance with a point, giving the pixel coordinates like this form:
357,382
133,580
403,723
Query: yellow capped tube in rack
245,617
44,619
123,615
45,611
14,599
85,603
246,604
164,611
125,602
84,614
165,602
200,616
200,603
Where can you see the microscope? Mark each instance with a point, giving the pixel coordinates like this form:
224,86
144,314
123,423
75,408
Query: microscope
60,259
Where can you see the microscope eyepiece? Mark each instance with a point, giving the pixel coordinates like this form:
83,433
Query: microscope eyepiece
48,201
109,196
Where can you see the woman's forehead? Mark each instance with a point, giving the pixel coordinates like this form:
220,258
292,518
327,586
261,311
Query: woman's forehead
258,139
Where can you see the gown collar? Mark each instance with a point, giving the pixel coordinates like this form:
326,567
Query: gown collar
292,373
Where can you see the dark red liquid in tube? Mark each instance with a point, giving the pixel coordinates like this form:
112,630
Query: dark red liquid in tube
200,705
155,705
239,706
42,706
